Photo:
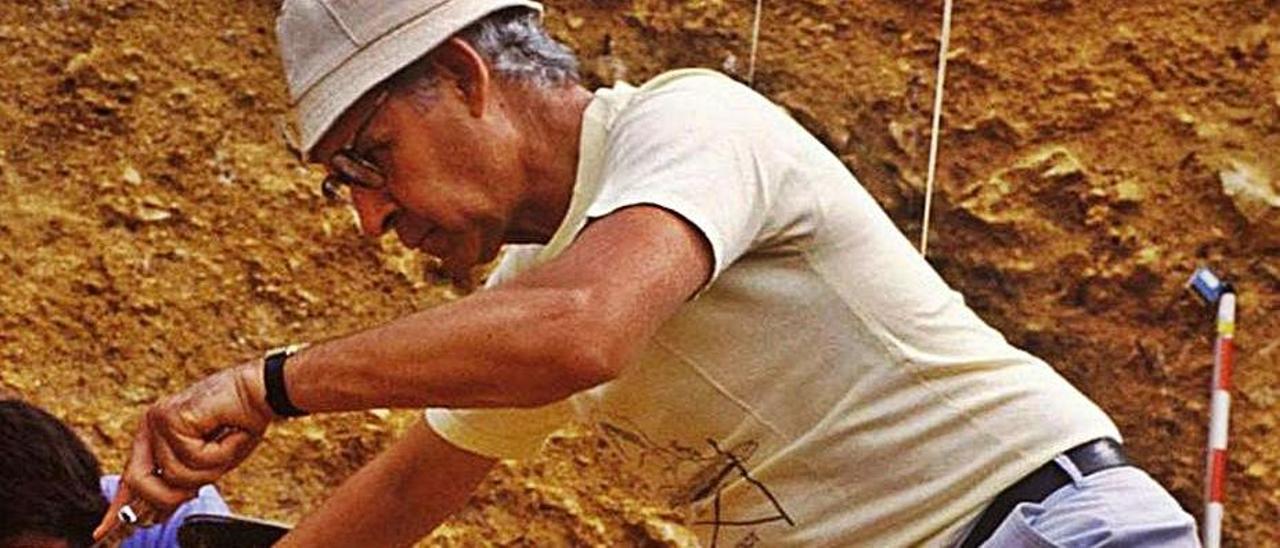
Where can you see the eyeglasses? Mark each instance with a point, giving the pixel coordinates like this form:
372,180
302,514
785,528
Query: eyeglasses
347,166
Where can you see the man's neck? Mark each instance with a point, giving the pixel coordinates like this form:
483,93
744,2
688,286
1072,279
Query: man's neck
551,122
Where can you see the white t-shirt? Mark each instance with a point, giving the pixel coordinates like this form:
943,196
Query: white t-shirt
825,357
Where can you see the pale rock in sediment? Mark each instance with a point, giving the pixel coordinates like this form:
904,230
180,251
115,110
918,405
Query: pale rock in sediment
1129,192
1256,196
667,533
1050,172
730,64
130,175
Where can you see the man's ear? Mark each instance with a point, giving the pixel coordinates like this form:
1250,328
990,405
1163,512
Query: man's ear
461,66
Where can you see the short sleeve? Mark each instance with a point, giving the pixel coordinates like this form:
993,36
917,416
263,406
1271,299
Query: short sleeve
690,149
500,433
516,258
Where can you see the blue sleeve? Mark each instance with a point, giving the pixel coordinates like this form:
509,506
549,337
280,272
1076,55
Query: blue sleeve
165,535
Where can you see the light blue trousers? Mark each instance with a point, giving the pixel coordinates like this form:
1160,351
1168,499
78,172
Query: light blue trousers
1115,507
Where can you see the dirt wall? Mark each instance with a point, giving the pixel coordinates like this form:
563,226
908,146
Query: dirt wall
153,229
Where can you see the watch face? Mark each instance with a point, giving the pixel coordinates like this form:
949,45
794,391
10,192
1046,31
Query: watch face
216,531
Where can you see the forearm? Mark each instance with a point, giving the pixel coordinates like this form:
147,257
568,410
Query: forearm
398,498
500,348
560,328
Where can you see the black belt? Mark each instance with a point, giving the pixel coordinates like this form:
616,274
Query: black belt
1090,457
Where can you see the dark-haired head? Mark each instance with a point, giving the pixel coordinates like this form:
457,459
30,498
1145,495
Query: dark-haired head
49,481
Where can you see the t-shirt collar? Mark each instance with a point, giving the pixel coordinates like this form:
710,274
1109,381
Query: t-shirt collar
597,119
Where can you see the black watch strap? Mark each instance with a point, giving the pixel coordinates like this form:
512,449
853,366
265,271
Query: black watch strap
273,380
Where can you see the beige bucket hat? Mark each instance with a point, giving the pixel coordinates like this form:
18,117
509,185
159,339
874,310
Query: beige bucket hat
336,50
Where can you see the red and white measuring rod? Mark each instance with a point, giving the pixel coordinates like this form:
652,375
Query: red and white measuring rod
1219,418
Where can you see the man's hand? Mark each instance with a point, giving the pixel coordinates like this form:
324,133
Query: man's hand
191,439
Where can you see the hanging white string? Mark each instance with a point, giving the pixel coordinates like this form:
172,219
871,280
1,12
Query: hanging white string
937,121
755,43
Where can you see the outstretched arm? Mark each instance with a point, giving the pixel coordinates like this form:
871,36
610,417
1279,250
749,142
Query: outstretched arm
563,327
560,328
398,498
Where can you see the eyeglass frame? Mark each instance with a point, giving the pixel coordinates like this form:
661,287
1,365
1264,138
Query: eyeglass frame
338,176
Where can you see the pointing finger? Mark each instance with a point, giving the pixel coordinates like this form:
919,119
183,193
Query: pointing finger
111,520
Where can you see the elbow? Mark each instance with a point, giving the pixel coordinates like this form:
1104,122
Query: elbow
587,353
586,367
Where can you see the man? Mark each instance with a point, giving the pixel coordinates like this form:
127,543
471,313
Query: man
51,492
709,286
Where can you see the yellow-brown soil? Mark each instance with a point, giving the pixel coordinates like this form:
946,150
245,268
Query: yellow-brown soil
153,229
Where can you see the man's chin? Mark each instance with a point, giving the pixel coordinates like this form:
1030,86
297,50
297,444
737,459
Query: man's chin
464,275
467,281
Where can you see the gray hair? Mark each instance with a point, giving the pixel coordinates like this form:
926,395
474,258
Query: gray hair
516,46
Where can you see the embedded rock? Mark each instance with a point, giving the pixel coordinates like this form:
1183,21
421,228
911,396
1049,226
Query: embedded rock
1256,196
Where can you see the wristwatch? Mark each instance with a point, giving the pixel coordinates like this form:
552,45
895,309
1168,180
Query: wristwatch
273,379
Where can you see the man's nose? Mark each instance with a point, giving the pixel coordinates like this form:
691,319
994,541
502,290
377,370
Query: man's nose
374,211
